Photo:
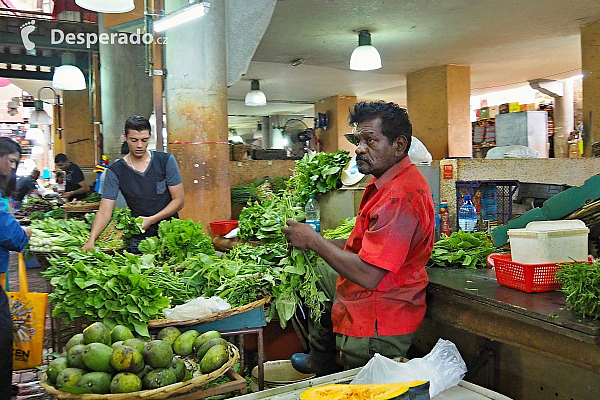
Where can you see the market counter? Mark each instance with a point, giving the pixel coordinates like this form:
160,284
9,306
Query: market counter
539,322
524,345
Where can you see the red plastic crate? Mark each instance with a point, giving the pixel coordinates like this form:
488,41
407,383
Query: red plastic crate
530,278
223,227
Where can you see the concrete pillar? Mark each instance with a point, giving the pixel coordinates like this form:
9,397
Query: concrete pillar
78,133
126,89
438,105
590,67
196,94
267,133
337,109
564,122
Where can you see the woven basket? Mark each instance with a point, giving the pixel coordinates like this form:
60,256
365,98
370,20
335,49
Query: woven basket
161,323
154,394
80,206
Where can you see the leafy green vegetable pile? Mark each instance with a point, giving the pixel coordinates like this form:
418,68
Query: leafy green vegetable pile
180,264
581,285
121,289
177,241
469,250
93,198
342,231
53,235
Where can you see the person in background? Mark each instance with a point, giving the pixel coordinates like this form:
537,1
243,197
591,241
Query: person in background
120,200
150,183
76,188
13,237
8,186
26,187
59,186
376,279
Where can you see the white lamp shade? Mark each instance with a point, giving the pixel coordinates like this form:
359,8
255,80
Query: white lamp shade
106,6
37,151
256,98
68,77
40,117
365,58
35,134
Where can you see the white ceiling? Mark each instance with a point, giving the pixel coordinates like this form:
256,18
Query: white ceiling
506,43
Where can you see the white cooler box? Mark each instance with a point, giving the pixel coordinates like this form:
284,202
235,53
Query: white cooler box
545,242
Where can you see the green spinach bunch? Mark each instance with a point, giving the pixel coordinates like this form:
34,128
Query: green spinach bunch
581,286
462,249
262,221
179,240
124,221
317,173
115,289
342,231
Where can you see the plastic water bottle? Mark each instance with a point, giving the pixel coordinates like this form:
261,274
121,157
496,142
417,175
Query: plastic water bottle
467,215
313,213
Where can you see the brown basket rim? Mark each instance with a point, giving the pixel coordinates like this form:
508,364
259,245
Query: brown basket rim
160,323
154,394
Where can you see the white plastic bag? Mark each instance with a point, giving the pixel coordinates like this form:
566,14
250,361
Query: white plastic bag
513,151
418,153
443,367
199,307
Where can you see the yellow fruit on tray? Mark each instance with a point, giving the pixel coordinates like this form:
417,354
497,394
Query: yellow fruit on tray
387,391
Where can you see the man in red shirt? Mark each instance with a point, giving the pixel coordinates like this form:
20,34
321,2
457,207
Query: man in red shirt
379,272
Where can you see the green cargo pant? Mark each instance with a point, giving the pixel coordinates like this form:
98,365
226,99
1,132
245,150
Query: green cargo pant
354,351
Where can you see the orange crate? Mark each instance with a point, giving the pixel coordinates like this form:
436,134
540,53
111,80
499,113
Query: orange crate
530,278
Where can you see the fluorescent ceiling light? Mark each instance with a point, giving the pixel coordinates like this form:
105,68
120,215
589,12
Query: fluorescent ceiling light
39,116
68,76
365,57
182,16
255,96
106,6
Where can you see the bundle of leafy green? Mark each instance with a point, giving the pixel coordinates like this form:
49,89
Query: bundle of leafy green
249,273
177,241
462,249
581,286
123,289
317,174
342,231
263,220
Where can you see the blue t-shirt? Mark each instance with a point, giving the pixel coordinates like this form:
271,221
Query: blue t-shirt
12,236
110,188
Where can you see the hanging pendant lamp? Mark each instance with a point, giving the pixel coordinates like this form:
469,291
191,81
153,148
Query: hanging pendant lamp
255,96
68,76
106,6
365,57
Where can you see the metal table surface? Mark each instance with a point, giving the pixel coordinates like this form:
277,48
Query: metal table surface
538,322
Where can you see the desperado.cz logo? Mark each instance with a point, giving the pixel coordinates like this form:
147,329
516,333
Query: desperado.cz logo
89,39
57,36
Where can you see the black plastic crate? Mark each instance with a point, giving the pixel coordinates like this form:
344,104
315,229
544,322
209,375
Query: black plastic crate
541,191
492,198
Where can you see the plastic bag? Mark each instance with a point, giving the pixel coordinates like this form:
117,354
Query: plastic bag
28,311
513,151
418,153
443,367
197,308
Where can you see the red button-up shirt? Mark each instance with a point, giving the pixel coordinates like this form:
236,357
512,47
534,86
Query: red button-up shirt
394,231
